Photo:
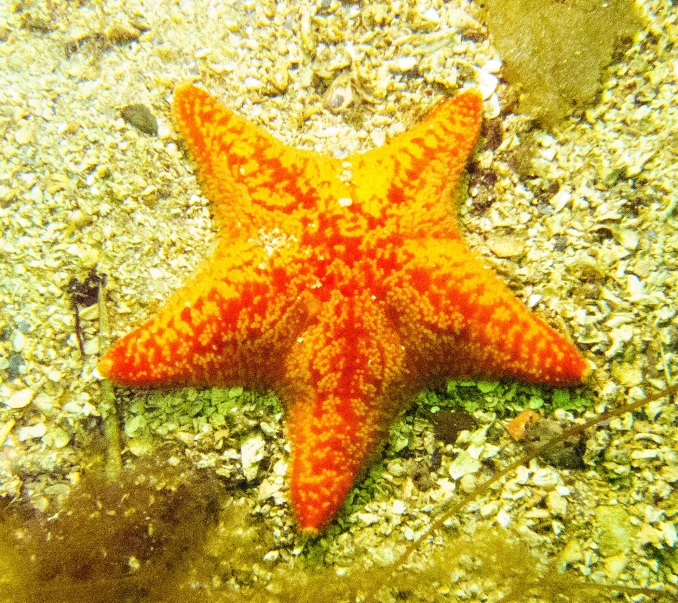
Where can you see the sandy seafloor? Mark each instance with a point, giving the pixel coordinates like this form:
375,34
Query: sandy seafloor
81,188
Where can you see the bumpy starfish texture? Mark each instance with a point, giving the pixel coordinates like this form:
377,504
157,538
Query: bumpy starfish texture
344,286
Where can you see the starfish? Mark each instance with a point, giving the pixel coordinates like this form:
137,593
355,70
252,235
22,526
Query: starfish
342,285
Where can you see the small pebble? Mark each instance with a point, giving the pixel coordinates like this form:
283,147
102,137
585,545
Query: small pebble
122,33
566,455
32,432
140,116
23,136
487,83
91,347
60,438
340,95
20,399
19,341
404,64
468,483
506,246
556,503
448,424
15,365
252,83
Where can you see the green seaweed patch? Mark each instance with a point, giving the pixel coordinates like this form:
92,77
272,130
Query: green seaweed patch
197,411
506,399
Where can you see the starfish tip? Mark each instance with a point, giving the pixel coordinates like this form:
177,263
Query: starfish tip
105,367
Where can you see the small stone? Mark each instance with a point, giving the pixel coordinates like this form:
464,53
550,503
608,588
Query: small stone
252,83
90,257
398,507
268,488
648,534
32,432
468,483
15,364
5,429
556,503
506,246
487,83
404,64
122,33
23,136
627,237
545,476
627,374
339,96
572,553
449,424
60,438
565,455
251,452
669,473
135,424
615,565
463,465
91,347
368,518
90,312
55,376
431,14
280,79
79,218
140,116
272,556
668,528
489,509
492,66
20,399
19,341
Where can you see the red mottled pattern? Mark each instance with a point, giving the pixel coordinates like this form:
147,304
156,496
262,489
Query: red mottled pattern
344,286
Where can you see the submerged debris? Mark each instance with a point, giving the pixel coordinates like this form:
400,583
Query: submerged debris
568,454
449,424
84,294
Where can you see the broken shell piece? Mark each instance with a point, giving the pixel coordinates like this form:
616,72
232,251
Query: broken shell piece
20,399
487,83
340,94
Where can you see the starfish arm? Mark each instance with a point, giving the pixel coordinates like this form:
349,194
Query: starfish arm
411,179
226,326
350,363
253,180
459,319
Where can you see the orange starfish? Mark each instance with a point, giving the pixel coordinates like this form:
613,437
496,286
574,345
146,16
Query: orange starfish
344,286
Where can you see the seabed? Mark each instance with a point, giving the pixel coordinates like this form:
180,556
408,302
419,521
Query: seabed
580,218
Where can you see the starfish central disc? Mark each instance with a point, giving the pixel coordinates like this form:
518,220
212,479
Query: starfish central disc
344,286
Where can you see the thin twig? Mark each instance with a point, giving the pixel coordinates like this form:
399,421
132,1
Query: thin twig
109,410
453,509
